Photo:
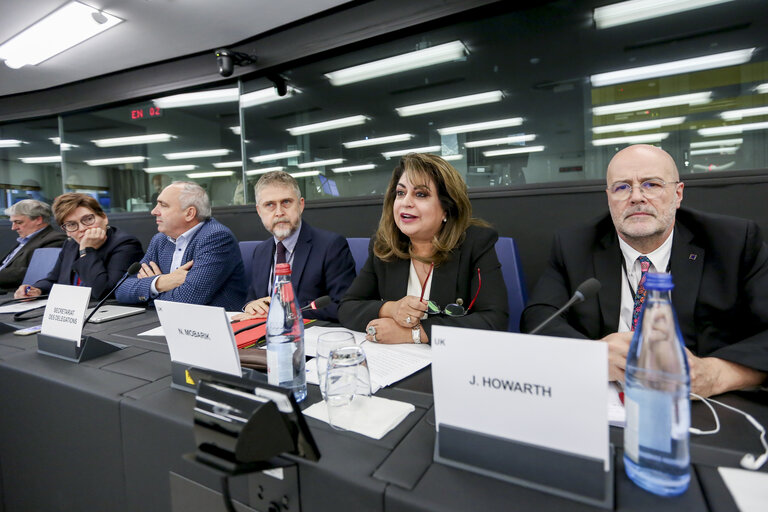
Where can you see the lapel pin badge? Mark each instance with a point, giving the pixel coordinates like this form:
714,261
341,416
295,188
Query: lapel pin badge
692,257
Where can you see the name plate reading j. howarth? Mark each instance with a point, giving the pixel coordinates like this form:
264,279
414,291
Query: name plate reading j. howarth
536,391
199,336
65,312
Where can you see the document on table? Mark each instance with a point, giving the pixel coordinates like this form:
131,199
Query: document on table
23,306
748,488
617,417
158,331
387,363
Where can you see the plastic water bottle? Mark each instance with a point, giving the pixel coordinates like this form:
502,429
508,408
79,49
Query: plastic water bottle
285,336
656,454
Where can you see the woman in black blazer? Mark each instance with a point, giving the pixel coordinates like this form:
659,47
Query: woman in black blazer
95,255
430,262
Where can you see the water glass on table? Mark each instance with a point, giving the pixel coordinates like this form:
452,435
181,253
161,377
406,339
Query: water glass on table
347,385
327,343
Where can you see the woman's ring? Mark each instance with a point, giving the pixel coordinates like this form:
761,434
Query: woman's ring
408,320
372,331
374,339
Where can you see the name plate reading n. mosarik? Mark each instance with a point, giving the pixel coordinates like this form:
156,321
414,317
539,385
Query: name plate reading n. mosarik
539,392
199,336
65,312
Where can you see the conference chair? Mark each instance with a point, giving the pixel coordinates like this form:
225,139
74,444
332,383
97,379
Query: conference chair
246,251
359,249
42,262
506,250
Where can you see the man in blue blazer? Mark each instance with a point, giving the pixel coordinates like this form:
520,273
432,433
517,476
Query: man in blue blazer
321,262
192,259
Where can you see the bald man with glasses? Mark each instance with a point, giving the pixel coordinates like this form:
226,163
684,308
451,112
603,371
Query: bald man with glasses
719,266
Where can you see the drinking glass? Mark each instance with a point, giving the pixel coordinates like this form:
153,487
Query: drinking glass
327,343
347,385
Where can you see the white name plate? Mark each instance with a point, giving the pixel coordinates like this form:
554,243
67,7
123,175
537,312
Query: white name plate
65,312
539,390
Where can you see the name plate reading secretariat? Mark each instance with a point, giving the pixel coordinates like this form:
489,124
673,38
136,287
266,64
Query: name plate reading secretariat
539,390
65,312
199,336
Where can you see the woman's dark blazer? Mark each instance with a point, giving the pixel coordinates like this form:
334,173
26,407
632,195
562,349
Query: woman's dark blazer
100,269
381,281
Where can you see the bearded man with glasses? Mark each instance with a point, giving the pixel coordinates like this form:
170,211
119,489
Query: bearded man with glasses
719,265
95,254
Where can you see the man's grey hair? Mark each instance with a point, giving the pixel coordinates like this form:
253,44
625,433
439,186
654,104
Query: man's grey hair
276,178
32,208
193,194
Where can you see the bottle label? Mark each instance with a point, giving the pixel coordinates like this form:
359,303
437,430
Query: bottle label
280,363
631,438
649,421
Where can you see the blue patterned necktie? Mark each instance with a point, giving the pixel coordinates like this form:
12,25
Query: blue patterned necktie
645,264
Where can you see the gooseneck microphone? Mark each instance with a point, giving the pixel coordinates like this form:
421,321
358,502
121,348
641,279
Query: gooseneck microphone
585,290
318,303
132,271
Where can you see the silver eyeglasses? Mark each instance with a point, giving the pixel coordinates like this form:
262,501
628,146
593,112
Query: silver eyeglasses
649,188
86,220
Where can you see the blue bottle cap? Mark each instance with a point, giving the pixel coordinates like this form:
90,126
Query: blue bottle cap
660,281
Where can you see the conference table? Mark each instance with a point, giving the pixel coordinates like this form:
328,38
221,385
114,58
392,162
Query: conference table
111,434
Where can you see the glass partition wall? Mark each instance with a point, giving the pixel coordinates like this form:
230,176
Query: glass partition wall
542,95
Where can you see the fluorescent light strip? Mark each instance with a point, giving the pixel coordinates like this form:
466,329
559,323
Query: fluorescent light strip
236,130
639,10
192,99
275,156
116,160
632,139
328,125
452,157
41,159
761,89
696,98
211,174
353,168
378,140
65,146
169,168
715,151
718,60
10,143
305,174
129,141
478,127
401,152
207,153
515,139
320,163
737,115
734,128
450,103
62,29
515,151
413,60
265,170
226,165
654,124
268,95
710,143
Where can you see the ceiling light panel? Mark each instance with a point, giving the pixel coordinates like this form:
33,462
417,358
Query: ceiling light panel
632,139
450,103
732,129
515,151
653,124
333,124
678,67
477,127
207,153
170,168
268,95
211,174
711,143
715,151
633,11
354,168
10,143
737,115
130,141
320,163
254,172
192,99
696,98
305,174
401,152
413,60
761,89
53,159
62,29
116,161
227,165
452,157
378,141
515,139
275,156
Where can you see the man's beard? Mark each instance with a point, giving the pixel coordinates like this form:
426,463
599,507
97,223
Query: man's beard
282,229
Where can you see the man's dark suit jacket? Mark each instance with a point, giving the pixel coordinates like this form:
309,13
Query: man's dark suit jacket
100,269
720,271
11,277
381,281
322,265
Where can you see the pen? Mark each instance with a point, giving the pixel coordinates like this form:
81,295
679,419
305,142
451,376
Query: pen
26,290
621,391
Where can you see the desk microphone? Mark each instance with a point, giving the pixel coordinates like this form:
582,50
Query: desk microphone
318,303
132,271
585,290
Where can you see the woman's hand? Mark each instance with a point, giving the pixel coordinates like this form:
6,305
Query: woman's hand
93,238
406,312
387,331
255,309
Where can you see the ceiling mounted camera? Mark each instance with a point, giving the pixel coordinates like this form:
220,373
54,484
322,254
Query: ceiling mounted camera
226,60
